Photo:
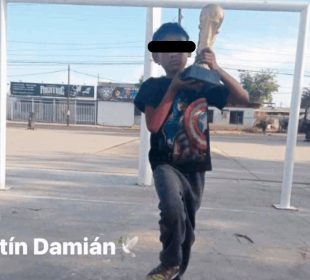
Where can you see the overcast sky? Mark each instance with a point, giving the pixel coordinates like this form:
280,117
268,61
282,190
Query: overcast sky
109,42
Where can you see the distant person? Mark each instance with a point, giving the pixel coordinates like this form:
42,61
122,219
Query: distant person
31,121
176,116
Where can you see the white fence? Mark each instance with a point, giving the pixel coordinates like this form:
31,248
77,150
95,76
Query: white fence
52,110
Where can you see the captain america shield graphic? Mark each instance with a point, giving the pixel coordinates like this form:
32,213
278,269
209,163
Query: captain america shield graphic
196,123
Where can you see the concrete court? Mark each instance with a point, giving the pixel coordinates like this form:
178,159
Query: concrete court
69,184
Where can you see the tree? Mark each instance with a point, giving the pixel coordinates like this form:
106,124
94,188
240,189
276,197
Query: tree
260,86
305,99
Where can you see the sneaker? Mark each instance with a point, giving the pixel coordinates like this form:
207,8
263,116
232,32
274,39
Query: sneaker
163,273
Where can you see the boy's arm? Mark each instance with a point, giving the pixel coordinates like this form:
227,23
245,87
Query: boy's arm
238,95
155,117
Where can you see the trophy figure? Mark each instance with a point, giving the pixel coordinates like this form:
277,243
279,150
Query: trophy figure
211,18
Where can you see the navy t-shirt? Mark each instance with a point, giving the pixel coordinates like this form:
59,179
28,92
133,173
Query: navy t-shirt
183,140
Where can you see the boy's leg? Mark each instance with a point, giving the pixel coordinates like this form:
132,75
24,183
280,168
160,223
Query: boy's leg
193,196
172,214
180,197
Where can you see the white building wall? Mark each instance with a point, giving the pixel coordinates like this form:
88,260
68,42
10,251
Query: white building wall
220,117
248,117
115,113
223,117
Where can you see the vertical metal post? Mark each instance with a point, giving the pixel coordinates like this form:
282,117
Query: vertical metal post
75,106
68,97
12,102
153,20
180,16
287,179
54,110
3,90
95,117
32,105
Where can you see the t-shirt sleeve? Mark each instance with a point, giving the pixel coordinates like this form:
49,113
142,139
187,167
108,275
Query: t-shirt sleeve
147,95
216,96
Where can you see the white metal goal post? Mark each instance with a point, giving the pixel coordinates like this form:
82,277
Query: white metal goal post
153,21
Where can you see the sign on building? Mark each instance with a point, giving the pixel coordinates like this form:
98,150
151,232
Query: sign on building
51,90
116,92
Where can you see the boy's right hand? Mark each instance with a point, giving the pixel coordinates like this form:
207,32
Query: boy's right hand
178,84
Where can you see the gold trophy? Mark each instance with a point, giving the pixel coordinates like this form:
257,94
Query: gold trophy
211,18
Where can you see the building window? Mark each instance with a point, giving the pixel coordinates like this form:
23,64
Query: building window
236,117
210,116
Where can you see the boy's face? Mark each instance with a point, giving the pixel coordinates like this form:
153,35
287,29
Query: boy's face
171,62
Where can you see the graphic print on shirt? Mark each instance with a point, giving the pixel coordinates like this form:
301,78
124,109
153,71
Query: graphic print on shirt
185,130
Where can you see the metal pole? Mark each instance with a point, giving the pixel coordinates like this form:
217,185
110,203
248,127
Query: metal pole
153,19
3,90
287,178
180,16
75,105
54,110
254,5
12,101
68,96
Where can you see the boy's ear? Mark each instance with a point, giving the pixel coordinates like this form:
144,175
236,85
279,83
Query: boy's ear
155,57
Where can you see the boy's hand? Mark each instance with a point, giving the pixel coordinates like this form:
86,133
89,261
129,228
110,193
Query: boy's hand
178,84
207,56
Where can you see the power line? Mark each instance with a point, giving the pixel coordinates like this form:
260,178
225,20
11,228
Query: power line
239,69
79,49
260,50
281,71
92,75
86,74
77,55
257,61
34,74
118,46
23,62
131,56
73,44
53,63
111,63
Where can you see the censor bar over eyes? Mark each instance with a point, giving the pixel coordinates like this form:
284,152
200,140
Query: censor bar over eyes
171,46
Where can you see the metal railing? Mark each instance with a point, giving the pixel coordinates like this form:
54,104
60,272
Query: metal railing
52,110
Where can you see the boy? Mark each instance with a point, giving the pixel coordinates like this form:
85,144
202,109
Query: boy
176,116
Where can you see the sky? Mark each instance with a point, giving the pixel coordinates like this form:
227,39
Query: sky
107,44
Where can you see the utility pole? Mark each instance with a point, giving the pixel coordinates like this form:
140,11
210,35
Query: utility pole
180,16
68,96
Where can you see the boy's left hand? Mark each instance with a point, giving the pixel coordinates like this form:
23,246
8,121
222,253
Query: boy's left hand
207,56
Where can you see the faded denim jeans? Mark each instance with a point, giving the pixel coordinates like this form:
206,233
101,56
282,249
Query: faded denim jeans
179,198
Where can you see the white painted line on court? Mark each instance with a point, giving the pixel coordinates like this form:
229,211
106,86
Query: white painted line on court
301,212
208,176
72,199
39,167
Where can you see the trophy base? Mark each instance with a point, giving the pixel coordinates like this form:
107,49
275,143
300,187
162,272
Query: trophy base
200,73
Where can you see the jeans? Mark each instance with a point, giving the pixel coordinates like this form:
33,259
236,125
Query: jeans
179,198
